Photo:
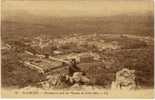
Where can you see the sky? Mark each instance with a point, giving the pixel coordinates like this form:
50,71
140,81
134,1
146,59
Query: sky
75,7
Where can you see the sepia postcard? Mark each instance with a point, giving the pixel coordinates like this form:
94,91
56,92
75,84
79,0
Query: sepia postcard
77,48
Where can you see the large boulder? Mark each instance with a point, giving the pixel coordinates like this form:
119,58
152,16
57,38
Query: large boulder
125,79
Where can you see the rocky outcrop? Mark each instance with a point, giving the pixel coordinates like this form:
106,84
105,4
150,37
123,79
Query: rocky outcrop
125,79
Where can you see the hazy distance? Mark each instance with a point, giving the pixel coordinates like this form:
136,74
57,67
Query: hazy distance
69,8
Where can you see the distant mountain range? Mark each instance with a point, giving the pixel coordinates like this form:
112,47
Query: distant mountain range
29,25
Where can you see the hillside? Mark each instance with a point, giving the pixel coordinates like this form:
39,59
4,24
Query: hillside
118,24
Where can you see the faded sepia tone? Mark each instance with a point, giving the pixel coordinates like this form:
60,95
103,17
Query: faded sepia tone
77,48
